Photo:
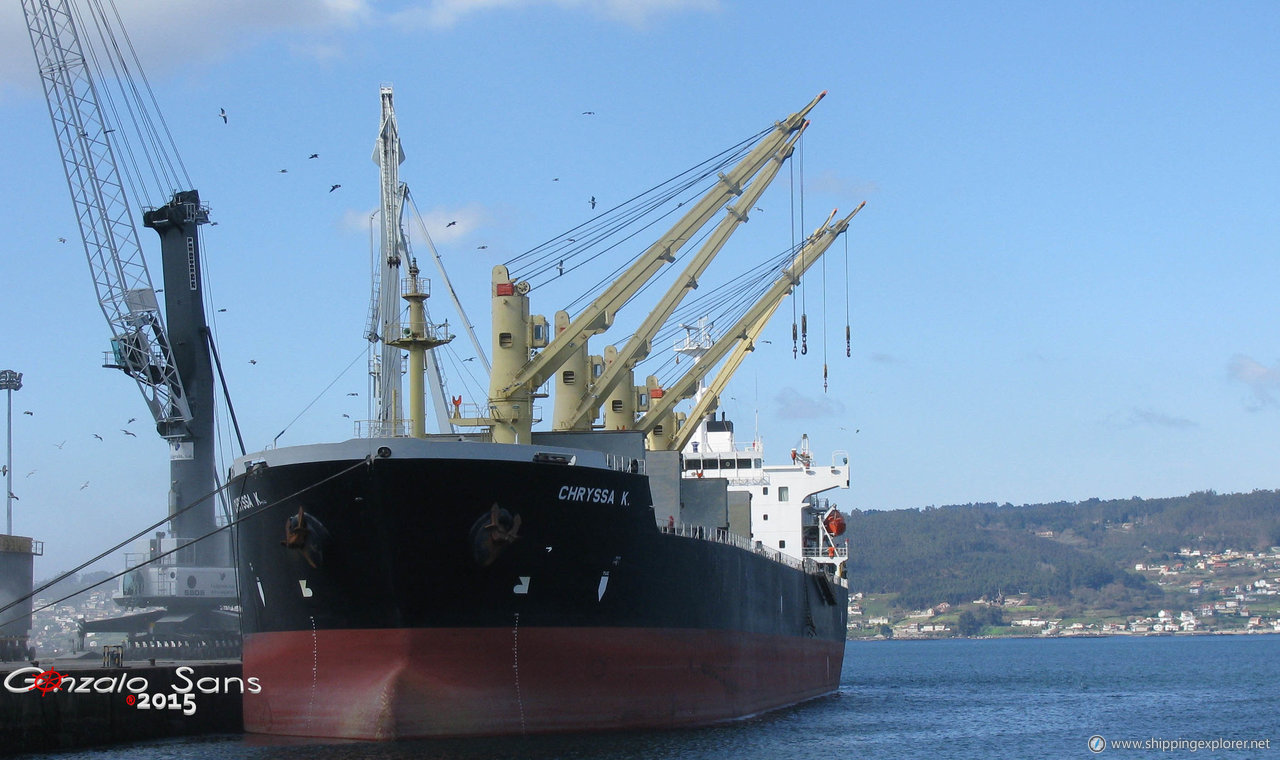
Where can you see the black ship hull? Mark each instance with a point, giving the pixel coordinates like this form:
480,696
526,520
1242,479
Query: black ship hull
468,589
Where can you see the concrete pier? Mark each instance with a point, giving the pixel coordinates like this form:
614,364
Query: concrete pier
64,704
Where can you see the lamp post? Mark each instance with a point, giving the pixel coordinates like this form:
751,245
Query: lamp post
9,381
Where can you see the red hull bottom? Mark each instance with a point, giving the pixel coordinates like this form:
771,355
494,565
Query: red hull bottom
408,683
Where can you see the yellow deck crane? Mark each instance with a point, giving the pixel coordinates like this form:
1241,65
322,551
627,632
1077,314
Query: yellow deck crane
659,422
515,376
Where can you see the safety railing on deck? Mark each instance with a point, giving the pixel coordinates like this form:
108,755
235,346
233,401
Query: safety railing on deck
722,536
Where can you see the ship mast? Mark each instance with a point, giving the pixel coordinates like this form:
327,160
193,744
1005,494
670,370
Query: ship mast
384,321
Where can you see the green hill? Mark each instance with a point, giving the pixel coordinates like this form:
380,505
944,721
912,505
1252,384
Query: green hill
1070,553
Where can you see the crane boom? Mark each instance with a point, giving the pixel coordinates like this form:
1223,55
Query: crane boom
638,347
598,315
754,319
139,344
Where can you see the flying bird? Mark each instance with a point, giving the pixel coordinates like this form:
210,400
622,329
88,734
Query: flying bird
253,361
334,187
95,435
14,496
84,485
131,420
353,394
284,171
481,247
593,201
29,474
221,310
469,359
223,113
129,433
588,113
555,179
60,445
30,413
62,240
450,224
347,416
314,155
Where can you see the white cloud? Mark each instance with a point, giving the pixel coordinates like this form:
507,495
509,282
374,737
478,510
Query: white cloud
791,404
1261,379
167,33
442,14
1159,419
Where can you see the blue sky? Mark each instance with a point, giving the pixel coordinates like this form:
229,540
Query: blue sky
1062,286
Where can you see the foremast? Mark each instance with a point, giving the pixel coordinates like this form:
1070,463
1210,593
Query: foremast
385,324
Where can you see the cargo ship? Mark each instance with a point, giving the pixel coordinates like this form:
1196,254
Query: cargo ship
635,572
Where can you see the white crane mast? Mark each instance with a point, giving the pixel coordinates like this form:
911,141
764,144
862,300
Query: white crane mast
386,303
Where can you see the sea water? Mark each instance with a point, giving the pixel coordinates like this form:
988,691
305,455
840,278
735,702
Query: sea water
1166,696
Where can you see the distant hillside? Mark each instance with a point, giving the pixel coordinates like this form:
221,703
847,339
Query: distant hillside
80,585
1063,551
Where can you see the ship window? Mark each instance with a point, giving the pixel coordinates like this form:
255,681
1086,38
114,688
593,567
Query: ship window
744,464
504,340
784,492
692,464
766,517
568,377
597,370
539,333
757,463
711,464
657,430
782,544
616,405
766,490
726,464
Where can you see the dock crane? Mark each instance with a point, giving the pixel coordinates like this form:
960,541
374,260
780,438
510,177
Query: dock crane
171,364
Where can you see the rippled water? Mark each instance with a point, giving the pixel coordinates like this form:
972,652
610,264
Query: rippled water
909,699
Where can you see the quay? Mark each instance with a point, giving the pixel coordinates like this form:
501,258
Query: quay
61,704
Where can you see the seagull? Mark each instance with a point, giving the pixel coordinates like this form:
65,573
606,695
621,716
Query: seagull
30,413
95,435
60,445
221,310
481,247
62,240
593,201
284,171
314,155
129,433
353,394
450,224
131,420
469,359
223,113
555,179
759,209
335,187
347,416
14,496
253,361
29,474
588,113
84,485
